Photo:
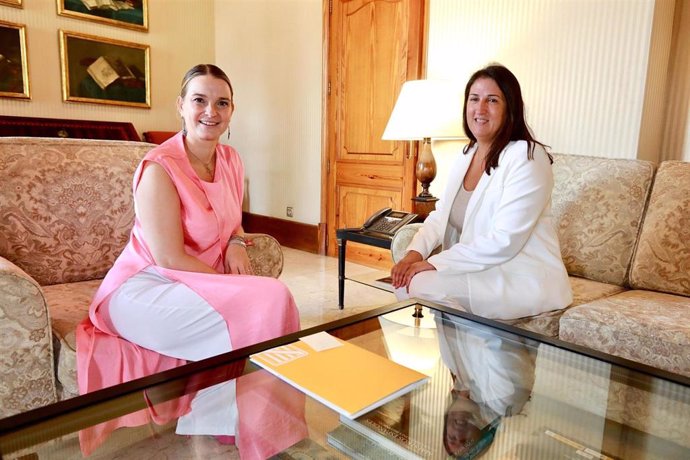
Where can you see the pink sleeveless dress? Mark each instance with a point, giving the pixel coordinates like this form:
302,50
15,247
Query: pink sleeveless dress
254,308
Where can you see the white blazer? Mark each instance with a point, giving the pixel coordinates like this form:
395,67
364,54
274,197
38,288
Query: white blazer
508,247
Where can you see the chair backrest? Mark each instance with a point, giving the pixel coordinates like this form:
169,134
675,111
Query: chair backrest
158,137
66,207
598,204
662,256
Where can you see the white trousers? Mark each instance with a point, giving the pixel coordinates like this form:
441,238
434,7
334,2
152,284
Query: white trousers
449,290
168,317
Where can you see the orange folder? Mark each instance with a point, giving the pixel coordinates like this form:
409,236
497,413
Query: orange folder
347,378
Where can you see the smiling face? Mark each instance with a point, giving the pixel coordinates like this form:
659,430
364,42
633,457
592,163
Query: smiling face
206,108
486,110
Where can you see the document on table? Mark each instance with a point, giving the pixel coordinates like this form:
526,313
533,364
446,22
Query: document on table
341,375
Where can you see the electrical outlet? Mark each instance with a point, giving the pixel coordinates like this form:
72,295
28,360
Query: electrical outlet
288,211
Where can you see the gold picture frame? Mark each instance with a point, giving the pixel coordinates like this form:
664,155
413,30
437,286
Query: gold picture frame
14,3
101,70
132,14
14,65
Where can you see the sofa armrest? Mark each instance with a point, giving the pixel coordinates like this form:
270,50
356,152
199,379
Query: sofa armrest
403,238
26,352
265,254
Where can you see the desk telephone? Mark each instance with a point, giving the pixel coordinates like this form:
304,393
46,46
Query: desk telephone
386,222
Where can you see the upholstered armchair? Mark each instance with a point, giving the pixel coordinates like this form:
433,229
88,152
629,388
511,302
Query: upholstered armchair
66,211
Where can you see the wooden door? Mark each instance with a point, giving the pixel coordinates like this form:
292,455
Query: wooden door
374,46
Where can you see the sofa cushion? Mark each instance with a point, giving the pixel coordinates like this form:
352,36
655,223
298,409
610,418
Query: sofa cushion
57,223
643,326
69,305
662,257
584,291
599,204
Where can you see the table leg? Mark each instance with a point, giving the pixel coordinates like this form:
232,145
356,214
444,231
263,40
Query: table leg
341,272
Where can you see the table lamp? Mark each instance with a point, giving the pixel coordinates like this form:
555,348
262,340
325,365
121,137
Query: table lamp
426,109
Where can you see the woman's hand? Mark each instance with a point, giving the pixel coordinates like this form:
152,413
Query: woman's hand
237,260
403,272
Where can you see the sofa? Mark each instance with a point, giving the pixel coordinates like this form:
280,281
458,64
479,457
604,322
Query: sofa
66,211
624,230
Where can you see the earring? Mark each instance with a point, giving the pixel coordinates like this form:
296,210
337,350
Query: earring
228,133
184,128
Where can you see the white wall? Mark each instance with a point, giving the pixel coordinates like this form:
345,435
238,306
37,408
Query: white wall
677,130
271,49
582,65
594,74
180,35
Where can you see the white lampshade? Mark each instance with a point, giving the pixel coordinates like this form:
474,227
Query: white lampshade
426,109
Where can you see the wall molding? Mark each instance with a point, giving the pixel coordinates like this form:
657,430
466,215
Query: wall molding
296,235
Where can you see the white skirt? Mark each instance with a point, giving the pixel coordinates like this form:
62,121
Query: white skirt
168,317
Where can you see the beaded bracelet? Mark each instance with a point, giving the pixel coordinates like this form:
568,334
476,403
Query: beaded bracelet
238,239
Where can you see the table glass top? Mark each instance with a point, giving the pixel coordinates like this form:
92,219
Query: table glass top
494,392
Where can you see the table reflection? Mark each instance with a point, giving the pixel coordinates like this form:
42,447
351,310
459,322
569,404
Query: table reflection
492,377
269,414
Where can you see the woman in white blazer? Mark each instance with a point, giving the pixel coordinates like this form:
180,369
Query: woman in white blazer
500,254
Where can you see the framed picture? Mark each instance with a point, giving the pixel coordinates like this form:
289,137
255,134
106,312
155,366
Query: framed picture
14,67
132,14
104,71
15,3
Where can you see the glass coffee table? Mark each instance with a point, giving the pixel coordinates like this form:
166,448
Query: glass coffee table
495,392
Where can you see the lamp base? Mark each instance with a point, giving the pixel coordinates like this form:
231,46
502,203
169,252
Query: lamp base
425,191
425,170
423,205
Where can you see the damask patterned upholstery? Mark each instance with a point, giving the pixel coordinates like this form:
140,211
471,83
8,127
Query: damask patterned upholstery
66,207
662,259
65,215
265,255
69,305
599,204
27,378
648,324
548,322
644,326
66,211
402,239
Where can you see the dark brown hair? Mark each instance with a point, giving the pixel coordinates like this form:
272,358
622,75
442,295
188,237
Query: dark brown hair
206,69
515,127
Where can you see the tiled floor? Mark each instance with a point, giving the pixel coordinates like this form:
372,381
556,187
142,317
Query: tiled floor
313,280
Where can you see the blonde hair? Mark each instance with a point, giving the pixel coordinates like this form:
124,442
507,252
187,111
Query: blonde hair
205,69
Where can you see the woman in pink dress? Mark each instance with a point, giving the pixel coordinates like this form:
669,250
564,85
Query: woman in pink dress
183,288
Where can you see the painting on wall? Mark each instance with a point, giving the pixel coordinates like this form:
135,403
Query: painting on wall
104,71
15,3
132,14
14,67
